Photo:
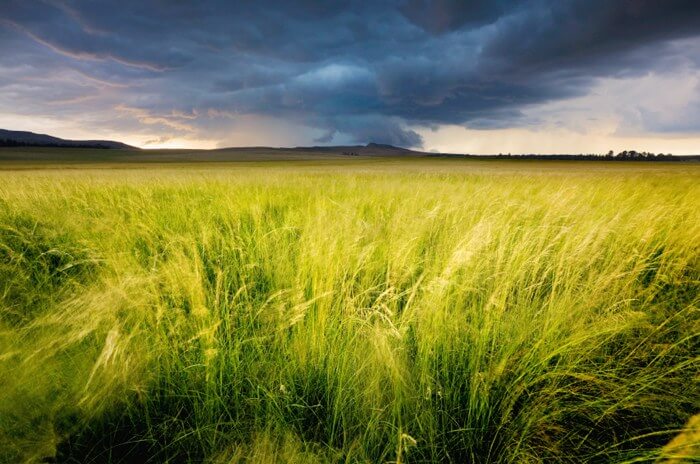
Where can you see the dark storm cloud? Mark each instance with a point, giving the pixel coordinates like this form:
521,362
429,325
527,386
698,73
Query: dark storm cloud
438,16
349,71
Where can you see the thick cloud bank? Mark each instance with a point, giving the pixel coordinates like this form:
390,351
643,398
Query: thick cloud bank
329,72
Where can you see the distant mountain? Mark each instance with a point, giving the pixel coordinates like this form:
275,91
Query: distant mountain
10,138
371,149
55,149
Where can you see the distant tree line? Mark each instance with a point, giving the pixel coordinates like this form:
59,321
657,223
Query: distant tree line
626,155
632,154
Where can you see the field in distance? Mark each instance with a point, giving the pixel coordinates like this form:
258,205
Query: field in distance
51,155
333,308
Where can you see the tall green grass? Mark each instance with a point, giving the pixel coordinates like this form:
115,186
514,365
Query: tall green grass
415,312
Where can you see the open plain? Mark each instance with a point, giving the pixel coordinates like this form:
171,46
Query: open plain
327,309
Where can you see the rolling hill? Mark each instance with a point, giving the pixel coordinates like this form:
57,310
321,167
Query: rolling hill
10,138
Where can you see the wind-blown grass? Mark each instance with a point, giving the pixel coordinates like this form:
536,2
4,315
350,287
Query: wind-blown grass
415,312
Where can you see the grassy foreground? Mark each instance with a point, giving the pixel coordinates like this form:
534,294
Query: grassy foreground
353,312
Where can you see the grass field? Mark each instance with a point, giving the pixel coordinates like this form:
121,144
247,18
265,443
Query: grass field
350,311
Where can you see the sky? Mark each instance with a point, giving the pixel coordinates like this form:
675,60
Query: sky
458,76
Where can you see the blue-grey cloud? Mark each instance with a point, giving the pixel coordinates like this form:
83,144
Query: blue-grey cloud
351,71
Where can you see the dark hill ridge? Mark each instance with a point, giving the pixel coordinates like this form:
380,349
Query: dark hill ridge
18,146
9,138
371,149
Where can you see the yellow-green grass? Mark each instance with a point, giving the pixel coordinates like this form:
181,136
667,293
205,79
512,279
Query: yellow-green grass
350,311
